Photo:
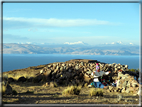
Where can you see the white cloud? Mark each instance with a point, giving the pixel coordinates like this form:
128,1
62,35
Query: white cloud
33,30
72,43
131,43
58,22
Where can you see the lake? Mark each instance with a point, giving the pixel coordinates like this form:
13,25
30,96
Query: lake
19,61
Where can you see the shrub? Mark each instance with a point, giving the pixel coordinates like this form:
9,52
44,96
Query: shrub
72,90
134,70
96,92
55,95
14,92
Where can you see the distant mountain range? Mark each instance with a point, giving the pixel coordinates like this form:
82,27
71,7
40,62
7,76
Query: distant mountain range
71,48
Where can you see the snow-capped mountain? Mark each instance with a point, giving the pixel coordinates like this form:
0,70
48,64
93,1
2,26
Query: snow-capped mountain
71,48
118,43
75,43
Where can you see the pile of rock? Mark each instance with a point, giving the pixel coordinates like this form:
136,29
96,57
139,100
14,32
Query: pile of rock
125,83
77,72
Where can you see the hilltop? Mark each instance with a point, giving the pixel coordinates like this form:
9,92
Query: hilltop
44,84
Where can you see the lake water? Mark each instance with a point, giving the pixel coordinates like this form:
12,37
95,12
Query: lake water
19,61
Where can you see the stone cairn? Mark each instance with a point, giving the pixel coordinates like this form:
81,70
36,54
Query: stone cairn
125,84
78,72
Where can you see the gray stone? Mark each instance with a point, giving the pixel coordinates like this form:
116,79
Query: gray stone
76,67
82,63
63,64
65,67
49,66
70,65
51,84
87,78
70,70
48,72
89,72
119,97
41,71
6,88
61,69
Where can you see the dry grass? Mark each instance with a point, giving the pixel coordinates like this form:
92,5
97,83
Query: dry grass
72,90
29,93
96,92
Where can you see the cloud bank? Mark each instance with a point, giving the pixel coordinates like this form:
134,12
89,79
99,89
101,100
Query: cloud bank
53,22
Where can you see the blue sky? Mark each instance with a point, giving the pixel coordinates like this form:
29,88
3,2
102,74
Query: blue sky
59,23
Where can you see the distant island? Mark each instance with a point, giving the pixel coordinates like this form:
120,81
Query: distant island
15,48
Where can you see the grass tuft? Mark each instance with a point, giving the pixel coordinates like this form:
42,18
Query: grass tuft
96,92
55,95
72,90
55,84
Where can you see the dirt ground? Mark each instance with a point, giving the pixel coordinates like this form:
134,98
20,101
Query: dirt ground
29,93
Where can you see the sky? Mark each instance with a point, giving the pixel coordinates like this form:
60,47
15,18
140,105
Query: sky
59,23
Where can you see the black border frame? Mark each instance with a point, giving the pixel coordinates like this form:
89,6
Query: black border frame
72,1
